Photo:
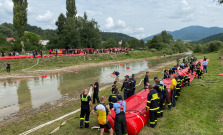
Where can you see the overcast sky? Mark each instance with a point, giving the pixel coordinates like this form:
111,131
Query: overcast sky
138,18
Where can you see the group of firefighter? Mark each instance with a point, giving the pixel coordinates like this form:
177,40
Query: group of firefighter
155,100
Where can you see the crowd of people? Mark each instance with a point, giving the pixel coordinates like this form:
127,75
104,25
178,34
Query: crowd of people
9,53
155,98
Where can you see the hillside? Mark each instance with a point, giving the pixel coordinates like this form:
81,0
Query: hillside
218,37
117,36
8,30
192,33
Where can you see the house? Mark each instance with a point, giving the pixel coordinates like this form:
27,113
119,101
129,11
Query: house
10,39
44,42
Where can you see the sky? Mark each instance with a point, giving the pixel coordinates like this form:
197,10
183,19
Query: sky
137,18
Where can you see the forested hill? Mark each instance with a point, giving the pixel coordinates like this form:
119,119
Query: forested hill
217,37
192,33
8,30
117,36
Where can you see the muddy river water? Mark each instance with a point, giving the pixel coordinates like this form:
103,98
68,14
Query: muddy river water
30,93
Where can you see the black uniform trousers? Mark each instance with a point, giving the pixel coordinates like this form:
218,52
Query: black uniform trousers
133,91
127,94
8,69
95,96
120,124
166,96
161,101
84,117
173,95
153,118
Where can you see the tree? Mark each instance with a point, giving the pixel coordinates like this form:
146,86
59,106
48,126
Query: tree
110,43
60,23
134,43
31,41
70,36
220,1
71,8
20,17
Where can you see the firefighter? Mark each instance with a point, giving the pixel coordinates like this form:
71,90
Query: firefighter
96,91
85,109
120,119
116,73
173,90
191,68
41,53
146,79
152,106
113,98
178,87
133,82
160,89
186,80
114,86
8,66
199,72
127,87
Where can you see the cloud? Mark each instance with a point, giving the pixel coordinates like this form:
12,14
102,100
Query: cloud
121,23
6,6
109,23
184,12
46,17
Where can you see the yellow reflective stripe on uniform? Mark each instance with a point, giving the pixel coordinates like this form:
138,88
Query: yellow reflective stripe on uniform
169,104
114,96
147,107
148,101
82,118
155,96
86,121
111,102
155,120
154,109
152,122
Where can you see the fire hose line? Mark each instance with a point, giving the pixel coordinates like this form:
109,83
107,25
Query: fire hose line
32,66
64,116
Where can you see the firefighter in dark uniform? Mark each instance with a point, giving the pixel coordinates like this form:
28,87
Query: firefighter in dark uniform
191,67
186,80
114,86
133,82
160,89
113,98
179,83
152,106
96,91
85,109
146,79
199,72
127,87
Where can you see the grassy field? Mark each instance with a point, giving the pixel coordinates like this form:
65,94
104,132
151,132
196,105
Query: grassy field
64,61
199,110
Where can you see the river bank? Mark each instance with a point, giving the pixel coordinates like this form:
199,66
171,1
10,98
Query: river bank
25,68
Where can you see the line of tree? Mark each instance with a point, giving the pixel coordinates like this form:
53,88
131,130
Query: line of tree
75,31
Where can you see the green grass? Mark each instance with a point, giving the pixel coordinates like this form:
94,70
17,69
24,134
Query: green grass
198,111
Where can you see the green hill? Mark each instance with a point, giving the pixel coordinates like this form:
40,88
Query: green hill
117,36
218,37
